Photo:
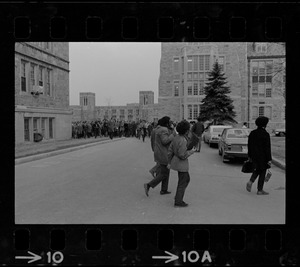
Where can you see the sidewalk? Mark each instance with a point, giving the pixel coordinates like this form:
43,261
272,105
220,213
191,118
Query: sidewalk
278,151
33,151
278,163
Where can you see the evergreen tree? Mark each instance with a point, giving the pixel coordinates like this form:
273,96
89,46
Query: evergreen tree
217,105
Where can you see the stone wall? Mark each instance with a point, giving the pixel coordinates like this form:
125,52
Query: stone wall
42,107
237,72
59,80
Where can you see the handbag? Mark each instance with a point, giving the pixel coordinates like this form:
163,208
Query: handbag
268,176
248,167
193,141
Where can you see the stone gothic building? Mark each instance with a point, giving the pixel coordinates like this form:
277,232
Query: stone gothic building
42,91
255,74
146,109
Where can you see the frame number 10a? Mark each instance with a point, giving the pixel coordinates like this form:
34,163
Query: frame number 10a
194,256
191,257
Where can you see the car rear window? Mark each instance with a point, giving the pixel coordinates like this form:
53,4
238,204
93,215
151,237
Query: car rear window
218,130
237,133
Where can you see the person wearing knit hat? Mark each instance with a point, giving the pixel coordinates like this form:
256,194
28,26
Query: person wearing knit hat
259,152
163,138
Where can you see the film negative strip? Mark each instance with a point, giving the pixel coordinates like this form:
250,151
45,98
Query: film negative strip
110,223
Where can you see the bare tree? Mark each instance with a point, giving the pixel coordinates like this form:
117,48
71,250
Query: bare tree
279,73
279,69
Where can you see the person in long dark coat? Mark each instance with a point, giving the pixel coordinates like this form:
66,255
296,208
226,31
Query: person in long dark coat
259,152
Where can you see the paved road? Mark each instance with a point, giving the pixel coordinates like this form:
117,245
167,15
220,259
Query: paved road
103,184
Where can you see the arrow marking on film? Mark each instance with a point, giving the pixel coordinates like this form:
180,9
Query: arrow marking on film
32,258
169,258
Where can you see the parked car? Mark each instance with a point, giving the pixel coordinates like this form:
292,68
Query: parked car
212,134
233,143
279,132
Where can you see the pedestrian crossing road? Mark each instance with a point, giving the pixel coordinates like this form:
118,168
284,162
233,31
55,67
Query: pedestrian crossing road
103,184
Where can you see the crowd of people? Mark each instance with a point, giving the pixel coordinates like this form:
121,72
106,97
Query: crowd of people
171,144
111,128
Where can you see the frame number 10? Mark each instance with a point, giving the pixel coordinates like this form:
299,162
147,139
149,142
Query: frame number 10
56,257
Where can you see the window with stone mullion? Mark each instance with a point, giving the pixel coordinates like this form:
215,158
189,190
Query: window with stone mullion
189,88
23,76
201,63
48,82
190,112
189,63
207,62
195,87
255,89
41,77
32,74
196,111
261,111
201,88
195,63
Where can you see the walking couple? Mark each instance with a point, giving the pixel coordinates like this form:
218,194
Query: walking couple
170,152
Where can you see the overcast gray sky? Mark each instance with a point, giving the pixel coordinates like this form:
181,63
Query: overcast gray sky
115,71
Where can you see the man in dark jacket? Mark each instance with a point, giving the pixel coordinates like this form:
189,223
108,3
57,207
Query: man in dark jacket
154,171
198,129
163,138
259,152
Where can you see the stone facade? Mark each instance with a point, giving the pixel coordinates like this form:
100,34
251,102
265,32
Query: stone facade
266,82
183,73
42,91
146,109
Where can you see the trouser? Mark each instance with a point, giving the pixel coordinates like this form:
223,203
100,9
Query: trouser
183,181
261,174
199,144
155,169
162,176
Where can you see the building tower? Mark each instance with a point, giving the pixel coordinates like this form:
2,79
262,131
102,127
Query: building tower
87,104
146,98
146,103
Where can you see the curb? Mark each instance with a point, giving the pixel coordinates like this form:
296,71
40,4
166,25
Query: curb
62,151
278,163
